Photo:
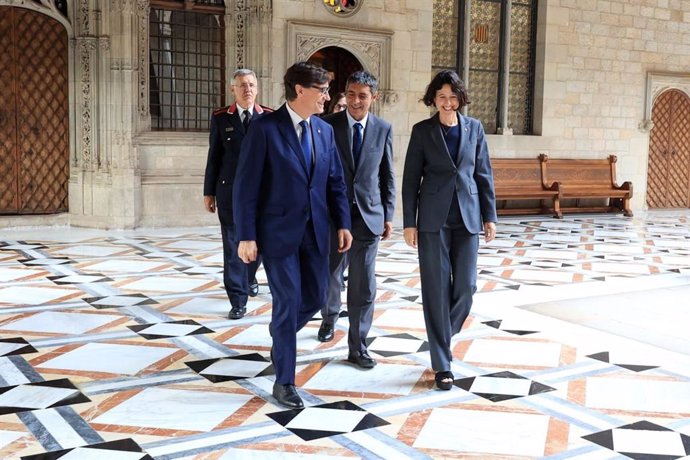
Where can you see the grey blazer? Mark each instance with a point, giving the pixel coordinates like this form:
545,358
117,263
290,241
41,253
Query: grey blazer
431,179
371,184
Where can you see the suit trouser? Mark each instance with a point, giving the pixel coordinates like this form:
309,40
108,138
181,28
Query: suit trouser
361,282
236,274
298,285
448,269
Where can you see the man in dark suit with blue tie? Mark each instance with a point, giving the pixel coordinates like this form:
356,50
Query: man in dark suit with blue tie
229,126
365,144
289,186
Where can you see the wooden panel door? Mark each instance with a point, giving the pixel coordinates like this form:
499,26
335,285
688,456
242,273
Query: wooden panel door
35,114
668,174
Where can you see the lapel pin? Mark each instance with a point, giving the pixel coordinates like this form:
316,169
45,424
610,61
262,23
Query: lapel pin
230,129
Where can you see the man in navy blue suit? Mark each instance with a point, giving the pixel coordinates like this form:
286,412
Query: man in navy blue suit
289,186
228,128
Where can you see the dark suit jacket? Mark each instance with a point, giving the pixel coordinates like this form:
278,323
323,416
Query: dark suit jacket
274,195
371,185
431,179
227,133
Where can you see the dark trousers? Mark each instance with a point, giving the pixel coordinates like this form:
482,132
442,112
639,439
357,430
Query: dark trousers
361,282
448,269
298,285
236,274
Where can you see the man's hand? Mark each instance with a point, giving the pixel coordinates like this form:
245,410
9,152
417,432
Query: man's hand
489,231
210,203
344,240
387,230
247,251
410,236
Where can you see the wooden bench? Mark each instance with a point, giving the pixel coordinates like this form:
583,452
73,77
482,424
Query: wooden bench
524,179
589,178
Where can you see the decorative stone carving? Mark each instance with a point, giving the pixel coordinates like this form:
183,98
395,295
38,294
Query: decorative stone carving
371,47
343,8
143,50
657,83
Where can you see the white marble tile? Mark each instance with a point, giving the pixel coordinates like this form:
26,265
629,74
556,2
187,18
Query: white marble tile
675,260
211,306
6,347
646,441
11,274
35,397
661,243
396,344
165,284
552,276
8,437
615,234
90,251
319,418
86,453
170,408
194,245
255,335
384,378
490,261
125,266
392,268
60,323
498,433
627,268
248,454
236,367
501,386
559,238
119,300
10,374
619,248
176,330
638,395
403,319
80,279
550,254
33,295
109,357
513,352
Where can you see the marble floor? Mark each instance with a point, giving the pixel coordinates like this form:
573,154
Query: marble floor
116,345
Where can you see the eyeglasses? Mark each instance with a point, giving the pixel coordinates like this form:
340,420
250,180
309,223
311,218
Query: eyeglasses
322,89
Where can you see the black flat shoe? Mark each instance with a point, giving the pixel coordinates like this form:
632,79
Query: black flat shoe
253,288
362,360
326,332
444,375
237,312
287,396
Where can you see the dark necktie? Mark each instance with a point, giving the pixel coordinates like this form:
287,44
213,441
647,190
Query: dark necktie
305,142
246,117
356,141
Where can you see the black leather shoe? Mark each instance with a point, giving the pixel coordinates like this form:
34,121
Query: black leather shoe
287,396
362,360
326,332
254,288
237,312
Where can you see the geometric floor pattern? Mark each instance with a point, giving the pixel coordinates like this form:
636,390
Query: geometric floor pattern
116,345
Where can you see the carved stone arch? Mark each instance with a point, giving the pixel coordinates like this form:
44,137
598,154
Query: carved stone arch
46,7
658,83
371,47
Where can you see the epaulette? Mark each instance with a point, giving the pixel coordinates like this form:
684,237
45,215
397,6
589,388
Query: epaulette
266,109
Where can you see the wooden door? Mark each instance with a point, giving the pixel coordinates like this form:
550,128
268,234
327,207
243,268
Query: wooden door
668,174
34,117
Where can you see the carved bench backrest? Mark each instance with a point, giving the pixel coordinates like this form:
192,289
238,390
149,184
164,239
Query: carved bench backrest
517,172
583,172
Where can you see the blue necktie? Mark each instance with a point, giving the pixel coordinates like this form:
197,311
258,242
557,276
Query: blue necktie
356,141
305,142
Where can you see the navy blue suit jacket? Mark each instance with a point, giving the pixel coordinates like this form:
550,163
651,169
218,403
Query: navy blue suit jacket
227,133
275,195
431,180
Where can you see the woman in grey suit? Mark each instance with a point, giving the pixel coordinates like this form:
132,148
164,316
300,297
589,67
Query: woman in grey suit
448,199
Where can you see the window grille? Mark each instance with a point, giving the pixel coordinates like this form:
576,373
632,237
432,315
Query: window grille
187,63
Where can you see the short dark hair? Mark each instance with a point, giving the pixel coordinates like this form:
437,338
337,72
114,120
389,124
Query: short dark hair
446,77
305,74
334,101
363,77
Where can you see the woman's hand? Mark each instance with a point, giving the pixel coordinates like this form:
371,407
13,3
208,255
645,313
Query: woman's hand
410,235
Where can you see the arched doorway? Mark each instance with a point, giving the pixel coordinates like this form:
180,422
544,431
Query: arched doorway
668,174
340,62
34,113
